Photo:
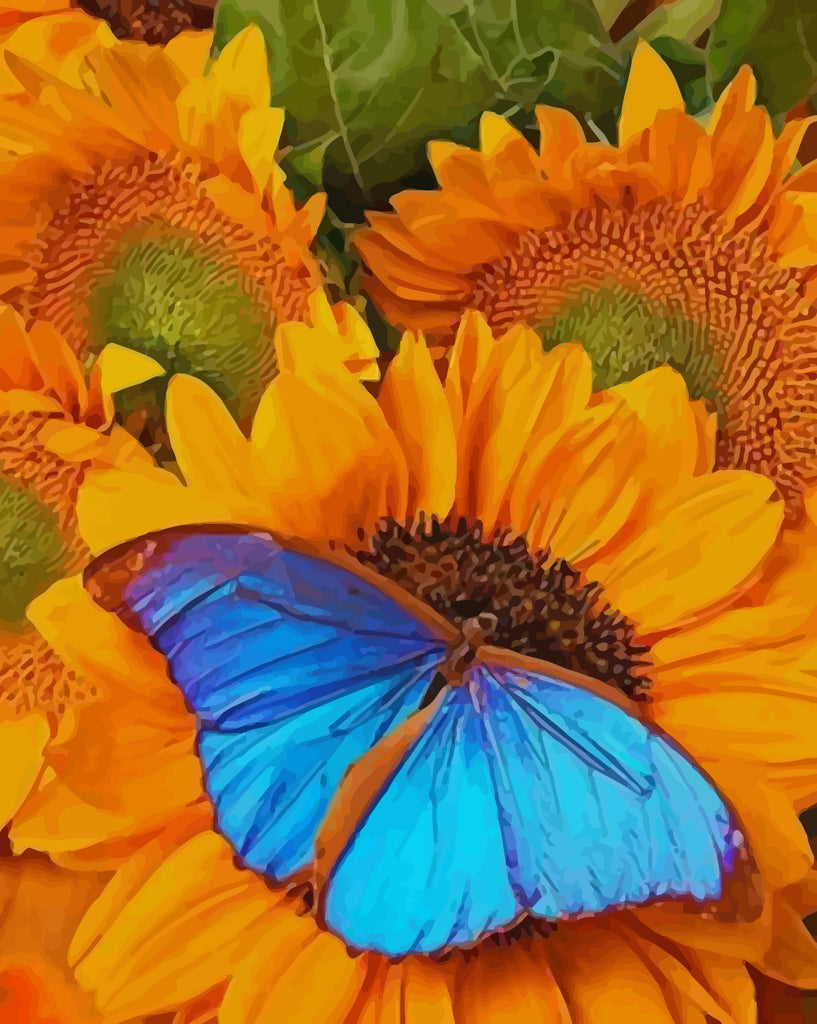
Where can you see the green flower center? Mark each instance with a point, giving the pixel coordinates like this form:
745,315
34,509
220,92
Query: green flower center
172,299
626,334
33,552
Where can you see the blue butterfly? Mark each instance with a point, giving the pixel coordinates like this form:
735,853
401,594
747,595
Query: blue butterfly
428,815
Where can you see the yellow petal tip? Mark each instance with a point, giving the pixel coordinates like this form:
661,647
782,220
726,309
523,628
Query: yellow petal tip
651,88
121,368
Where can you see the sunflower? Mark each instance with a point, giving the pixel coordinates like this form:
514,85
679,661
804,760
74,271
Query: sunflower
48,405
651,567
685,245
143,206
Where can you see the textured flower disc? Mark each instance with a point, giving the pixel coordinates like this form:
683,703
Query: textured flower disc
150,21
688,246
142,257
39,544
160,222
537,605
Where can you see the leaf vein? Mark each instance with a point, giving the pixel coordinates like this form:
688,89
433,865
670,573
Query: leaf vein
331,81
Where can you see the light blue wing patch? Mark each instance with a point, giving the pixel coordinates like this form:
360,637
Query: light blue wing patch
272,784
526,795
427,868
614,815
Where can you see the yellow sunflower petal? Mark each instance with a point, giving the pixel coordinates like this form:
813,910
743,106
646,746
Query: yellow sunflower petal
792,956
237,80
742,155
73,442
733,653
19,369
798,244
603,977
735,100
415,408
325,445
258,136
660,581
125,883
661,401
117,505
212,453
23,741
685,992
323,965
190,51
651,88
560,136
177,935
784,733
582,489
54,820
41,906
426,995
509,985
466,380
240,70
729,983
542,394
274,947
335,336
122,368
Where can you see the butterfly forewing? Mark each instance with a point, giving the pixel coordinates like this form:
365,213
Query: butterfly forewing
294,667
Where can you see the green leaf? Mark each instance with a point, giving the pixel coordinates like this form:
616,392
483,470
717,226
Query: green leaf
778,38
369,82
684,20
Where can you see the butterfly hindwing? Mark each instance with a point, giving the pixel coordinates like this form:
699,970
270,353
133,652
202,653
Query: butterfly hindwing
433,847
525,795
293,665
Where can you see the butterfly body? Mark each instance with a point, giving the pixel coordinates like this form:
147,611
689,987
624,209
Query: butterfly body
431,814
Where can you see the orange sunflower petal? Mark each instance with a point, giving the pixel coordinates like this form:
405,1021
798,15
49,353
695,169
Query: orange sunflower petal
23,741
510,985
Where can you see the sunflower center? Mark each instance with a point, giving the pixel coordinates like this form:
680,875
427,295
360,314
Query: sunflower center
38,532
627,334
148,19
173,300
507,595
34,677
38,545
677,284
33,553
139,254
